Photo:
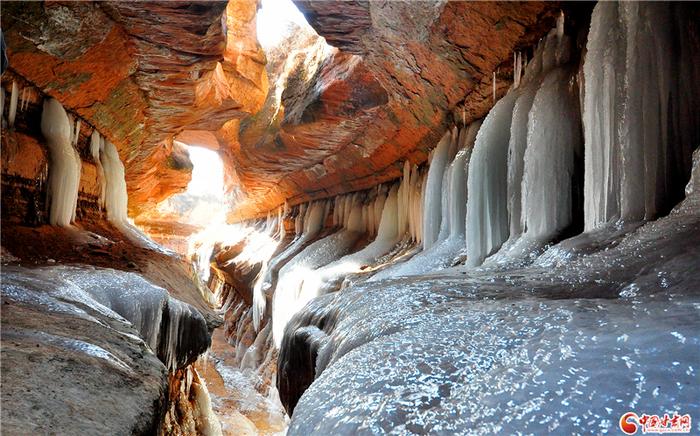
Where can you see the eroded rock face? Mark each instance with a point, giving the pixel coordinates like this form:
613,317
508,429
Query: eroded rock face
402,70
65,363
338,117
140,73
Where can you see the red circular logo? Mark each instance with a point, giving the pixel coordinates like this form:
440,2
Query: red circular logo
626,424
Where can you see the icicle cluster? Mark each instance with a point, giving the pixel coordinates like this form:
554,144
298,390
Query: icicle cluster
506,187
640,112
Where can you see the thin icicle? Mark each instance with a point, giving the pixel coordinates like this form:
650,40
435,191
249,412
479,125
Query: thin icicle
493,85
76,134
12,114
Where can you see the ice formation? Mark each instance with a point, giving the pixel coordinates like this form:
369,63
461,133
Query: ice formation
432,209
483,355
609,299
115,197
325,279
76,132
12,111
553,144
450,241
65,164
288,297
640,86
96,146
175,331
308,224
487,211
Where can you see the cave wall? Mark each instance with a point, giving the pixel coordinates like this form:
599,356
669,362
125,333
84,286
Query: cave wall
342,118
140,73
402,73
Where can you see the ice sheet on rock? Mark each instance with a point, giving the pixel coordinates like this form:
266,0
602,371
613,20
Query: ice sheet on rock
66,362
564,349
288,297
173,330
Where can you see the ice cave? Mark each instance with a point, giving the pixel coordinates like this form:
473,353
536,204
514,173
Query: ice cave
350,217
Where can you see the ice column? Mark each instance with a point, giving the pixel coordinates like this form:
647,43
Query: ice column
432,207
640,110
64,168
487,211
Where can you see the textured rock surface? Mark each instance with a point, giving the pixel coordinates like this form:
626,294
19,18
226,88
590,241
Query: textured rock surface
402,70
140,72
336,119
66,364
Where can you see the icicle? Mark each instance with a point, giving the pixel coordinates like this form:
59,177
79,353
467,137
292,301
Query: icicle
433,192
64,167
487,214
23,99
12,114
640,123
560,25
116,198
76,135
553,143
95,145
493,85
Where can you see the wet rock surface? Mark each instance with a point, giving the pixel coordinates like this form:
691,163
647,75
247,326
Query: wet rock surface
70,367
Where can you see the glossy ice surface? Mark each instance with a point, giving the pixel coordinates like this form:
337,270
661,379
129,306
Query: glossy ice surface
591,330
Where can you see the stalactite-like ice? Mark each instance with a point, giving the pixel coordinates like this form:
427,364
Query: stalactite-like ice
640,110
307,229
544,146
76,132
487,212
451,238
12,112
434,191
116,197
327,278
64,167
288,298
96,147
517,144
553,144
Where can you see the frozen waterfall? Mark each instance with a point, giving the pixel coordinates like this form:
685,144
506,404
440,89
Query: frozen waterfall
434,190
288,298
64,168
487,212
325,279
640,113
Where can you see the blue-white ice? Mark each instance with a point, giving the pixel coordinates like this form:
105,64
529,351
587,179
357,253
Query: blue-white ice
561,349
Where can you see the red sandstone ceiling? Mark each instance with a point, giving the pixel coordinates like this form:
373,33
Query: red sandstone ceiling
336,118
